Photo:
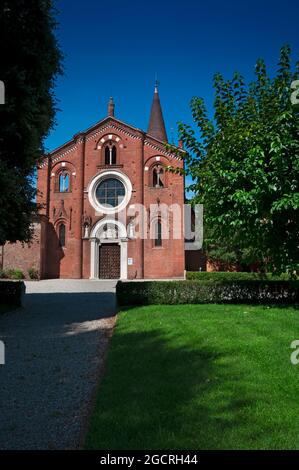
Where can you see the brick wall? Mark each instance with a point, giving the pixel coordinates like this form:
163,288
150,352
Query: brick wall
24,256
83,158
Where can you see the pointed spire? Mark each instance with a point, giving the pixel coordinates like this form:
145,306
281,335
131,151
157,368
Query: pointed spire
111,107
156,127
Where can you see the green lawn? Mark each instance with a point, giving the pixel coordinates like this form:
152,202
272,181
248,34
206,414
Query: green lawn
199,377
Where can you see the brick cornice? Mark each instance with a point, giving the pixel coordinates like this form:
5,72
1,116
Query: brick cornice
99,129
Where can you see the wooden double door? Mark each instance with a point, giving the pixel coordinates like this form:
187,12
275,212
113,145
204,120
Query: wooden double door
109,262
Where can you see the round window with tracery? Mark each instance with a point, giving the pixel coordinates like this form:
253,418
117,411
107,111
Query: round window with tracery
110,192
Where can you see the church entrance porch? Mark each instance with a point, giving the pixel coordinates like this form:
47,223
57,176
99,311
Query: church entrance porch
109,250
109,261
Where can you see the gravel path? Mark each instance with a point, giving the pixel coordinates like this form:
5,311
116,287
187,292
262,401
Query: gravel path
55,349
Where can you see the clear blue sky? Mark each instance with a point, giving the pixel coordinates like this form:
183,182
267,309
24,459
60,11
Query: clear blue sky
115,48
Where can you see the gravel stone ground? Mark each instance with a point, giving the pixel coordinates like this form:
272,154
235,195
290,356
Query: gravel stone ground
54,354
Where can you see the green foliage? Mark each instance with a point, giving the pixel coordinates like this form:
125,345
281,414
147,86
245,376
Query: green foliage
234,276
199,377
11,292
14,274
33,274
28,71
207,291
245,168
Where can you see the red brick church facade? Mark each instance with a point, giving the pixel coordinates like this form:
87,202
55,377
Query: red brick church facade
89,192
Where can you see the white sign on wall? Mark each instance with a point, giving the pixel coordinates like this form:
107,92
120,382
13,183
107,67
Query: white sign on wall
2,353
130,261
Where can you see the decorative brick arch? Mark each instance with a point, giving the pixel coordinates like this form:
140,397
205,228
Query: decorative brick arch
113,143
158,218
106,138
63,167
158,166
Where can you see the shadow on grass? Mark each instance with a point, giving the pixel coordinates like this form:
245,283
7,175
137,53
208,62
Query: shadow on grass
160,393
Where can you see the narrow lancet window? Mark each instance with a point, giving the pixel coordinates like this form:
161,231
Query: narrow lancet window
110,155
64,182
158,177
158,233
61,235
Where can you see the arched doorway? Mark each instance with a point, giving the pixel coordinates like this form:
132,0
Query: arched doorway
109,254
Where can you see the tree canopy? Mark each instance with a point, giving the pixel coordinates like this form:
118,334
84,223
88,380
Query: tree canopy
28,69
245,167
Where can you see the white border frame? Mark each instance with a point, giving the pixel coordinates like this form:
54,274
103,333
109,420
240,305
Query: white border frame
97,180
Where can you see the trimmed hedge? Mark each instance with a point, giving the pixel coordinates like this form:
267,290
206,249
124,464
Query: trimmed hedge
11,292
194,292
233,276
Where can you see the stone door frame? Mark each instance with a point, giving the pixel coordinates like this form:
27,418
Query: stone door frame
96,241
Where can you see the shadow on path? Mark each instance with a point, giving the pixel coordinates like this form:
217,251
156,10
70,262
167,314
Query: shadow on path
55,349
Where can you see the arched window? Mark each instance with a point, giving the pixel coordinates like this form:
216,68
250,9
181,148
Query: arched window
107,156
113,155
158,177
64,182
158,233
61,235
110,154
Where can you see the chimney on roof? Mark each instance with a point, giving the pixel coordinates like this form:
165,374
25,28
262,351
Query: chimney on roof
111,107
156,127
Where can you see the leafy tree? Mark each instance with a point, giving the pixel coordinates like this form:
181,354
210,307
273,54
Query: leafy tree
245,167
28,69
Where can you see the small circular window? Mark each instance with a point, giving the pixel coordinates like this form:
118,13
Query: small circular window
110,192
